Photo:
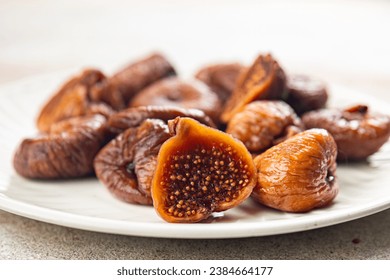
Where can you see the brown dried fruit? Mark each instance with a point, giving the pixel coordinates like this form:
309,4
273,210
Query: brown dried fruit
72,100
184,94
263,80
221,78
357,132
119,89
126,164
133,117
200,171
306,93
261,124
66,151
175,92
298,175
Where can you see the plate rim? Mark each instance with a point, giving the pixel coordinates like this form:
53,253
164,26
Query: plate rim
187,231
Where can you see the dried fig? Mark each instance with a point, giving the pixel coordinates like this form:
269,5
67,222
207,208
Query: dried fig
263,80
261,124
357,132
306,93
200,170
221,78
298,174
133,117
66,151
127,163
122,86
72,100
185,94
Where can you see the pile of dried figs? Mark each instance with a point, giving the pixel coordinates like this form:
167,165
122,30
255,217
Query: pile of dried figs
197,146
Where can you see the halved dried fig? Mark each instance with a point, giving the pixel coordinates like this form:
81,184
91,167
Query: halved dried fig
185,94
122,86
66,151
133,117
127,163
72,100
306,93
261,124
357,132
221,78
263,80
200,170
298,175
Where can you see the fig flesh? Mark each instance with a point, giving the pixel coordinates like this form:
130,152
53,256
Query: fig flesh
264,79
200,170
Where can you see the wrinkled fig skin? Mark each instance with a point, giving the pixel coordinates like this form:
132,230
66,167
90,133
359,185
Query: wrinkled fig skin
72,99
126,83
100,109
298,175
133,117
127,163
306,94
200,170
265,79
263,123
66,151
185,94
357,132
221,78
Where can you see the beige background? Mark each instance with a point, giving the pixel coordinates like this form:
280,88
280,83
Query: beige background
344,42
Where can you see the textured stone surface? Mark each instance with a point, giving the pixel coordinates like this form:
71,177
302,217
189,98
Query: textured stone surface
366,238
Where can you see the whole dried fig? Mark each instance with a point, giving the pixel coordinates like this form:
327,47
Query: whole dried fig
72,100
306,93
66,151
185,94
133,117
127,163
221,78
298,174
263,80
357,132
200,170
261,124
119,89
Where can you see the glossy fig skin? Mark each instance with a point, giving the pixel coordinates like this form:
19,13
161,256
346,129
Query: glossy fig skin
264,79
127,163
176,92
71,100
261,124
200,170
66,151
133,117
357,132
299,174
126,83
306,93
221,78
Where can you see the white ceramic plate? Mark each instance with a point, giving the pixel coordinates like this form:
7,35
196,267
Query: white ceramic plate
86,204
